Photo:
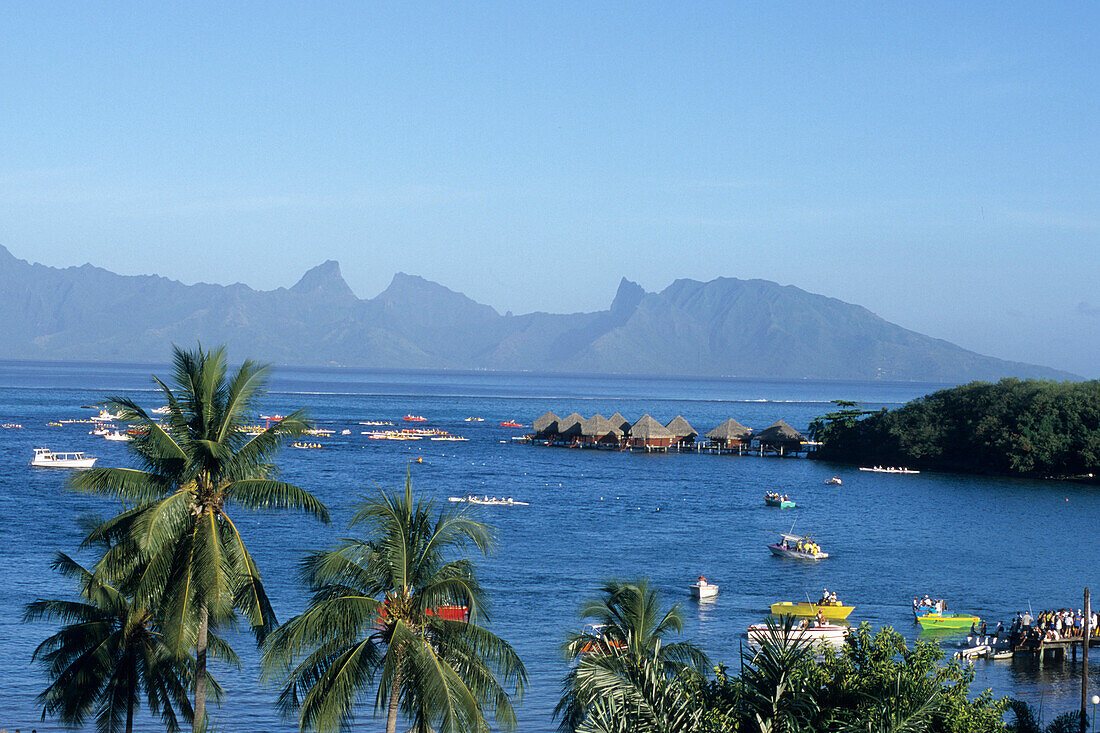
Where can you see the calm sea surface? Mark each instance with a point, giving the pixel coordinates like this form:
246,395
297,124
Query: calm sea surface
991,546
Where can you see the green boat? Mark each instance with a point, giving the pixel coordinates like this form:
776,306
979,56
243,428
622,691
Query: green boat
779,501
954,621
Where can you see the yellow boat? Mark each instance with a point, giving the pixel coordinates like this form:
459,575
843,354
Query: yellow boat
809,610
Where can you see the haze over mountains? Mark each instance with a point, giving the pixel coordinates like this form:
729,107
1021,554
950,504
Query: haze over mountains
725,327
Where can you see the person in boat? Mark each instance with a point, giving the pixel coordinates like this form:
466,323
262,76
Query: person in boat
820,618
702,580
974,629
824,597
832,599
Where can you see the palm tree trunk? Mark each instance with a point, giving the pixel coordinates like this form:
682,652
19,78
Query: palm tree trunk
130,711
395,701
199,723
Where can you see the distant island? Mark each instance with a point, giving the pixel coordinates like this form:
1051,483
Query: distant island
1015,427
722,328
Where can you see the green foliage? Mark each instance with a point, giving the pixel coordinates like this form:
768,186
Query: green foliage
177,551
1015,427
624,675
373,621
107,653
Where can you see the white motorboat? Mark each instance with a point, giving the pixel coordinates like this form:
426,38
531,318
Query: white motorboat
702,589
117,436
105,416
814,633
798,547
46,458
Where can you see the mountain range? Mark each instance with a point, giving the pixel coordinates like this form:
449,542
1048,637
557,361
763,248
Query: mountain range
724,327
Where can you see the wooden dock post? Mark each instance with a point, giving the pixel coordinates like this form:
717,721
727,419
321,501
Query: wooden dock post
1085,663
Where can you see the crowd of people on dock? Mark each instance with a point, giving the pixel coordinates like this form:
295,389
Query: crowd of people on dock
1064,623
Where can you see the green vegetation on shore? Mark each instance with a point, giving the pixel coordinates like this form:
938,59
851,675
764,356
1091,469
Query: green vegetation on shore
1014,427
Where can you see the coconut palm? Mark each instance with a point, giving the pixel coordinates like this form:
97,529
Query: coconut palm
106,655
627,631
773,682
184,557
382,616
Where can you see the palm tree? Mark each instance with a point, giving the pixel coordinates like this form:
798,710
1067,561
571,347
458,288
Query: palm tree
774,687
382,614
107,653
184,556
626,633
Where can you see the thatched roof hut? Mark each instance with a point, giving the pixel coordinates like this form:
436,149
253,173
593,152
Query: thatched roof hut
681,429
779,434
570,427
648,433
728,432
620,422
597,427
546,425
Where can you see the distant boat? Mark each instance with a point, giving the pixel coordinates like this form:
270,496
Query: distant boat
512,424
782,502
487,501
475,419
163,410
45,458
415,418
105,416
798,547
702,589
835,481
117,436
890,469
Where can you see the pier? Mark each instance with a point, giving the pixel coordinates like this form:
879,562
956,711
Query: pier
1053,649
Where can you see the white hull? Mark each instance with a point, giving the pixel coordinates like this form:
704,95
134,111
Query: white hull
44,458
699,592
783,552
876,469
827,634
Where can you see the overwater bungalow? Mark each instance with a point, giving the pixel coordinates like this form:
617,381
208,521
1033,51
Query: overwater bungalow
620,422
650,435
779,438
546,427
729,436
569,429
599,431
683,435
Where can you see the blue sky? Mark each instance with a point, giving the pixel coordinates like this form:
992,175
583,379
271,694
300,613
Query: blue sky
938,163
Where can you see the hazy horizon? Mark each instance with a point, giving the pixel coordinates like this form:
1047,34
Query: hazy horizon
935,165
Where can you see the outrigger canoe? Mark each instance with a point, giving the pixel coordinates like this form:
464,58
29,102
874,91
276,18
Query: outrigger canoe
947,621
809,610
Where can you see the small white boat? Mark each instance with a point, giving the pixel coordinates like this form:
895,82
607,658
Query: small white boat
450,438
105,416
46,458
100,430
831,634
117,436
702,589
475,419
345,431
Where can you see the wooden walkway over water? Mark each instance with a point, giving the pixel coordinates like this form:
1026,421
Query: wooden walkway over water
1053,649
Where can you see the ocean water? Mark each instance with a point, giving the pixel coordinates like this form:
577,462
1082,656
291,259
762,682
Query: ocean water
992,546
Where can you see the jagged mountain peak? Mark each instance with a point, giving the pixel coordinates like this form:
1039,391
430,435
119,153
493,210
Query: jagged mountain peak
627,297
324,280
